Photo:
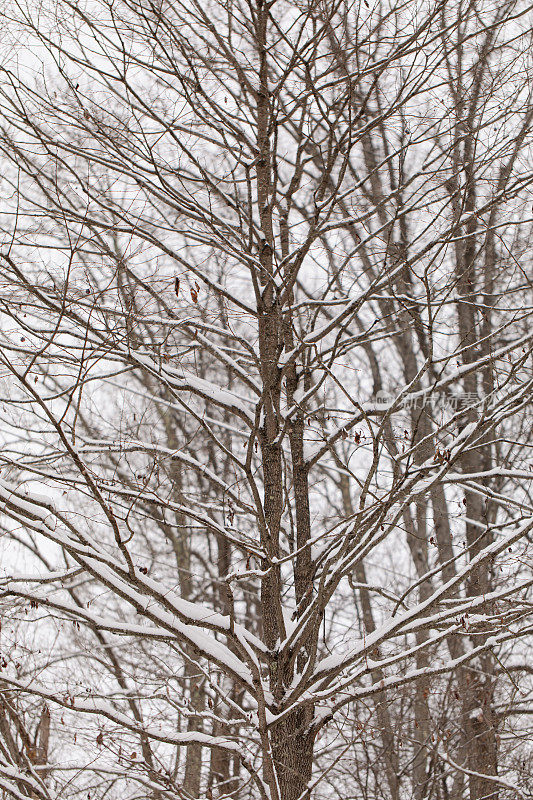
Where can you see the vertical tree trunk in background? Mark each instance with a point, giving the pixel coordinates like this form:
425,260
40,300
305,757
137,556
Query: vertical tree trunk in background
193,679
479,727
386,732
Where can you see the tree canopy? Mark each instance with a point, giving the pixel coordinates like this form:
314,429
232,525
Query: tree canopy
265,372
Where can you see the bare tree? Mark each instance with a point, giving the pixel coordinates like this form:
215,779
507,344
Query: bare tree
266,363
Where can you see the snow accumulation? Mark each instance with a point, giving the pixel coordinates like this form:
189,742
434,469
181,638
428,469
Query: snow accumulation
36,506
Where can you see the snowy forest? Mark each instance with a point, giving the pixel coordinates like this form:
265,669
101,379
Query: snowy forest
266,393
